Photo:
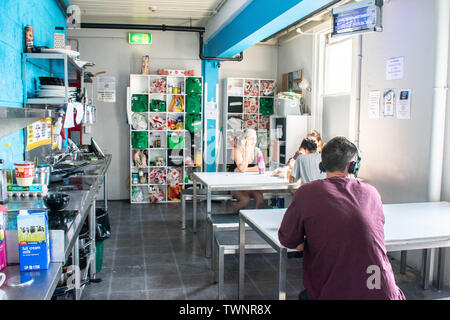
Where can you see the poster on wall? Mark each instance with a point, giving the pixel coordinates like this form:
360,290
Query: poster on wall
39,134
106,89
404,104
374,104
388,102
395,68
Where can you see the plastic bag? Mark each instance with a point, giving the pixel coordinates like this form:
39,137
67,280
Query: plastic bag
139,140
157,105
139,121
193,123
177,104
174,193
193,104
173,176
137,195
158,176
139,103
266,106
103,228
175,141
155,195
194,86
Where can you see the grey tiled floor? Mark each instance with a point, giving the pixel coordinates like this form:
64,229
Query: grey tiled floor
149,257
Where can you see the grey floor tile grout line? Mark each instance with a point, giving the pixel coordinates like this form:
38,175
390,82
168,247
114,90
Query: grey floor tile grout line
147,297
113,260
176,261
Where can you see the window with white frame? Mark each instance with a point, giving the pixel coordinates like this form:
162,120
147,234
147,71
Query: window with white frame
338,67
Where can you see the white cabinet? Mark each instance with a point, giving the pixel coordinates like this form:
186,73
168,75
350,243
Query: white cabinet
286,135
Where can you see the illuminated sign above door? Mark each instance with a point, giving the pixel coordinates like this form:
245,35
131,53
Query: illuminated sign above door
139,38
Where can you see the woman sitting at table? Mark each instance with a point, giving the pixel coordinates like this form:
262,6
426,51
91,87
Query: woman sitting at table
313,134
245,160
306,167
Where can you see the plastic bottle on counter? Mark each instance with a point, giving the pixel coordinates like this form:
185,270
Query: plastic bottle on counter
3,184
261,163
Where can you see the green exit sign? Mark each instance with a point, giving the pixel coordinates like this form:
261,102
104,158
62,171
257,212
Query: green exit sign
139,38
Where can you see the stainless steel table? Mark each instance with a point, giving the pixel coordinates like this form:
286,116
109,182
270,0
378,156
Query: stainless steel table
408,226
42,288
84,202
235,181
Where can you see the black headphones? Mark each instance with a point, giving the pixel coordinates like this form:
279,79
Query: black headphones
354,166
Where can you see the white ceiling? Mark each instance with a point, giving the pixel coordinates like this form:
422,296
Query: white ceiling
170,12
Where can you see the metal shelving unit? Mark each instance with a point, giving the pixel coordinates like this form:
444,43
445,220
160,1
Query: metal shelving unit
13,119
70,72
192,144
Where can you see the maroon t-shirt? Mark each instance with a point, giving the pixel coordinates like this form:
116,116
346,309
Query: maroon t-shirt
341,222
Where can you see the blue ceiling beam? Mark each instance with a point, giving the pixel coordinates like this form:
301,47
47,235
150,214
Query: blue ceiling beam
259,20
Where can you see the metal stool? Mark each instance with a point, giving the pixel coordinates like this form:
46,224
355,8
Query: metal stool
188,195
227,242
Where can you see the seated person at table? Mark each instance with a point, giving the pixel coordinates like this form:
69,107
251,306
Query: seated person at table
306,167
313,134
338,222
245,160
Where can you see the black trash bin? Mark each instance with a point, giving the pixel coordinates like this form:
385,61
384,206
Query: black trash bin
103,232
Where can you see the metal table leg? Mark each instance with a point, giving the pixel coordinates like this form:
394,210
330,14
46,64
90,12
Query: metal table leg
208,200
241,258
282,274
221,268
105,191
209,235
92,249
194,206
76,268
427,257
183,212
403,262
441,268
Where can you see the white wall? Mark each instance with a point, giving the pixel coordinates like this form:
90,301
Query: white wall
296,54
260,61
395,152
171,50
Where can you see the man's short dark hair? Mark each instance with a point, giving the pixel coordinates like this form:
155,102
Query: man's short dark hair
309,144
337,153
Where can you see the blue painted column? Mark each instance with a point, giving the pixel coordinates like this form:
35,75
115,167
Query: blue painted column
210,72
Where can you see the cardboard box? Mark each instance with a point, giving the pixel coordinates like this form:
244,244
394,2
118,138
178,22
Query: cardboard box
2,241
33,239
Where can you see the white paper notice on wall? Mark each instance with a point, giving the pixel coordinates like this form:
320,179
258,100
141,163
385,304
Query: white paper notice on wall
404,104
388,102
106,89
395,68
374,104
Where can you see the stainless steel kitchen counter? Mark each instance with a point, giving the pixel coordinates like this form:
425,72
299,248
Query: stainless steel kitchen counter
45,281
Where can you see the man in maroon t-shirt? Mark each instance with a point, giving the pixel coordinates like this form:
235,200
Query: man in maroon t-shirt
338,222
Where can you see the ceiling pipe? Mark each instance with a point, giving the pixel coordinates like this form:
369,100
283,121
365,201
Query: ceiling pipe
140,27
163,27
